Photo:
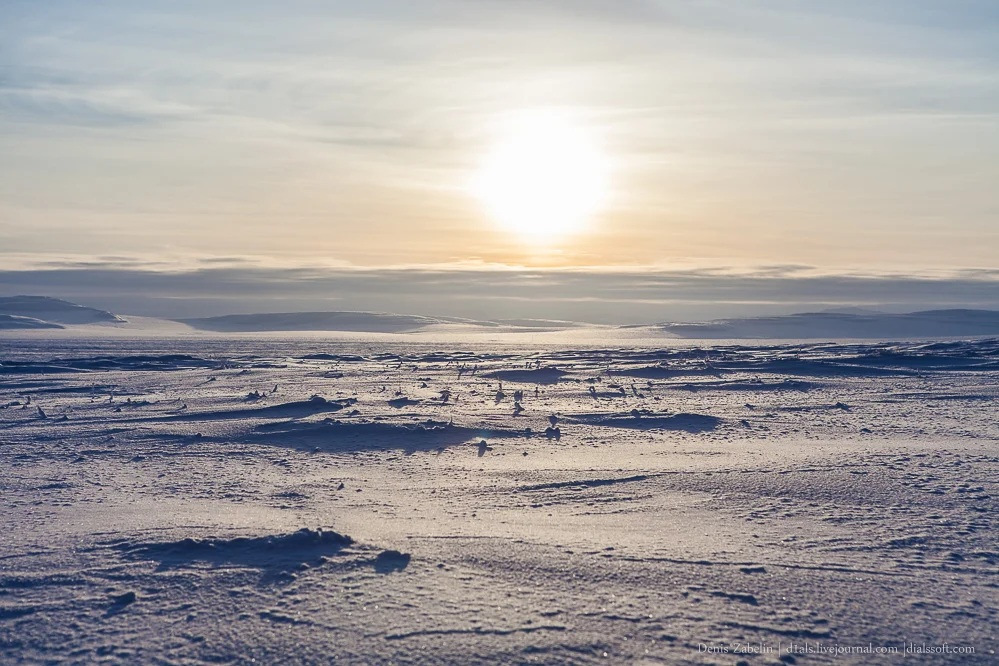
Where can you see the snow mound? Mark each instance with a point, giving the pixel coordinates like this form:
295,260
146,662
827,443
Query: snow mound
748,385
299,408
390,561
692,423
537,376
262,552
665,372
341,436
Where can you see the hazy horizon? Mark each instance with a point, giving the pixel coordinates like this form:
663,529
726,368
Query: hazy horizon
601,297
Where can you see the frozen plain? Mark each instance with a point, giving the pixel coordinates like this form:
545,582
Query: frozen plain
260,499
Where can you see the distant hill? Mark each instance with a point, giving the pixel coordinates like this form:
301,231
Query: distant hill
40,312
8,322
53,310
830,325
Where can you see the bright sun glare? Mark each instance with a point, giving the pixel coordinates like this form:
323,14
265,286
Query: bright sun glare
544,179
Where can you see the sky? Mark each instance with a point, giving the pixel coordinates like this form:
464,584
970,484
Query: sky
780,140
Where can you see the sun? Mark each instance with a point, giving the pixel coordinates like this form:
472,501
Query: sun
544,179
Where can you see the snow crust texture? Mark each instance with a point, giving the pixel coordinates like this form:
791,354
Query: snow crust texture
220,501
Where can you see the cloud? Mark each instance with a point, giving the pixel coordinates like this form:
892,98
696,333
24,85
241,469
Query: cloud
808,131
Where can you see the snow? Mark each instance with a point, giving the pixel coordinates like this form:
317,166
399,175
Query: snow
8,321
54,310
207,499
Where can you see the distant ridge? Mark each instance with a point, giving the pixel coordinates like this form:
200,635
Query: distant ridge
24,313
830,325
53,310
8,322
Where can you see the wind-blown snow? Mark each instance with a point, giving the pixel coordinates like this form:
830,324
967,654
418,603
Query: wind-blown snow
228,500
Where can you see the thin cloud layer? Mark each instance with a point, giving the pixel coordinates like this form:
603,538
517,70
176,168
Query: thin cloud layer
846,133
